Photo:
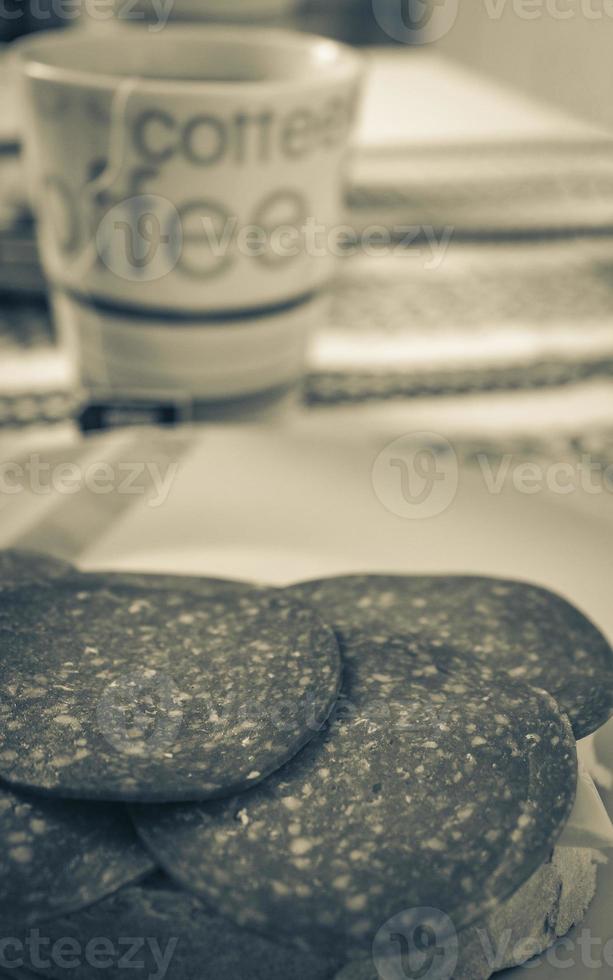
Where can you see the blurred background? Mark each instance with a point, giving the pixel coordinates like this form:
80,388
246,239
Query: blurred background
483,152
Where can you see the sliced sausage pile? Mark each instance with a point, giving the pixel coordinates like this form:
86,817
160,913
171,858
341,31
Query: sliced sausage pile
210,761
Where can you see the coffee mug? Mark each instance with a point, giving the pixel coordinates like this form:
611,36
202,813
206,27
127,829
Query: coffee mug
195,170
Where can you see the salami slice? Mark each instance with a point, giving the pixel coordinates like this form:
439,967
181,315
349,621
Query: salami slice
528,631
131,694
58,856
19,567
175,937
432,786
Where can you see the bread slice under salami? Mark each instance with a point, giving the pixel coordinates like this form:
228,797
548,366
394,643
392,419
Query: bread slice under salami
553,900
431,786
529,632
124,693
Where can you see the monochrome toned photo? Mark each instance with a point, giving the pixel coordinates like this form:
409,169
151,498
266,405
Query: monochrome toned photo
306,489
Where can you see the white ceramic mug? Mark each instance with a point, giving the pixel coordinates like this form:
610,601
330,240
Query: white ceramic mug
198,169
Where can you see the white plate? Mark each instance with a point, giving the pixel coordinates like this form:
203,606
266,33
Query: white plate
278,505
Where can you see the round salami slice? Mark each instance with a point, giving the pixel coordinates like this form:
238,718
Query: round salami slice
431,787
131,694
19,567
174,937
58,856
528,631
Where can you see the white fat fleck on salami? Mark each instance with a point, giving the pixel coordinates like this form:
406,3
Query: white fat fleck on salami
19,567
177,929
126,693
58,856
531,633
432,785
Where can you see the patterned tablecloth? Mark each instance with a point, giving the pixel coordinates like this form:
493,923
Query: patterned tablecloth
440,317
